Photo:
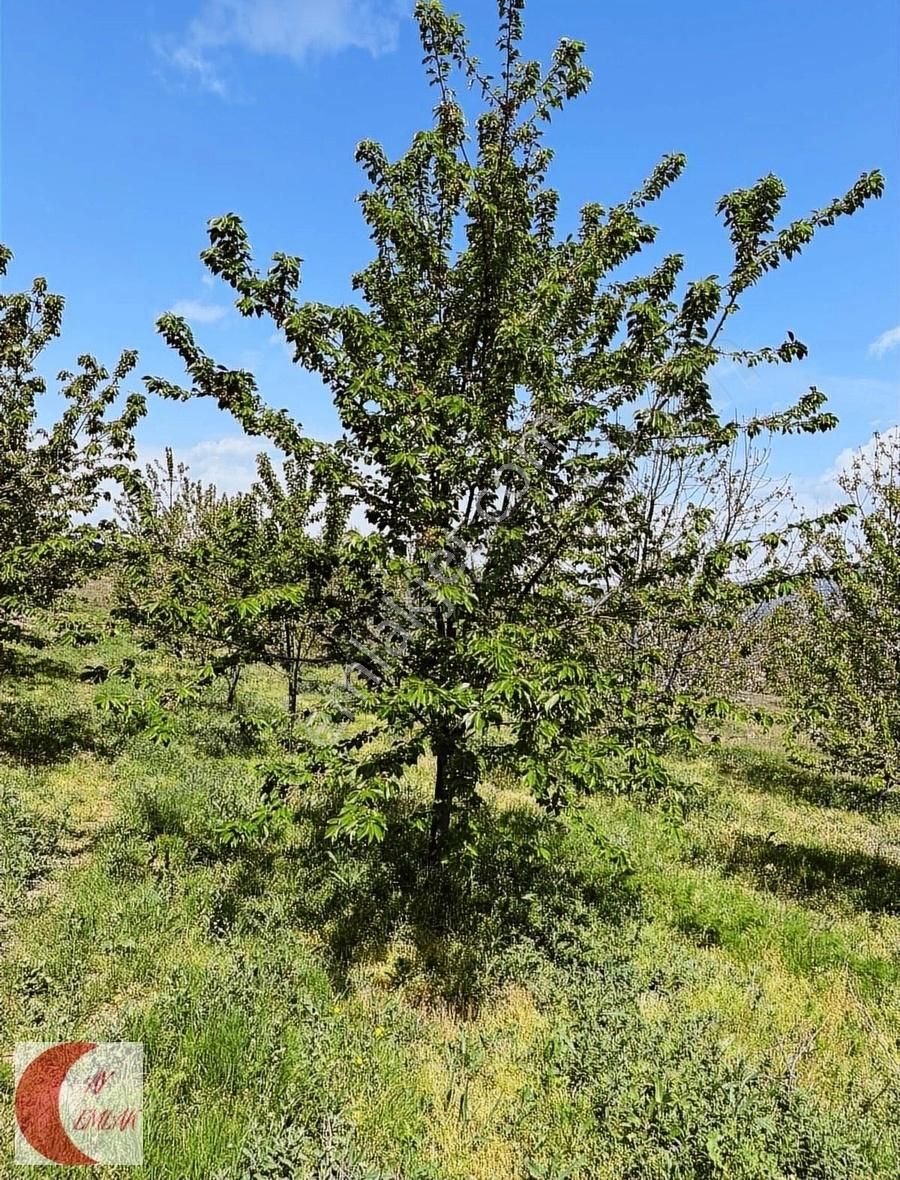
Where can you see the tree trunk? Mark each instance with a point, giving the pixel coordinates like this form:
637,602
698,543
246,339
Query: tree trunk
442,807
454,779
293,688
233,677
292,668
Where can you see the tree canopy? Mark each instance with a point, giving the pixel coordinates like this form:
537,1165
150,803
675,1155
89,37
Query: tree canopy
53,478
500,383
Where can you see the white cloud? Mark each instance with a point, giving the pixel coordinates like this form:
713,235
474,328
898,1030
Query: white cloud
207,280
294,29
886,342
199,312
870,454
817,494
190,62
229,462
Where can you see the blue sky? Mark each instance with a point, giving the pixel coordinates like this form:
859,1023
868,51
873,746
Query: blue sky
126,126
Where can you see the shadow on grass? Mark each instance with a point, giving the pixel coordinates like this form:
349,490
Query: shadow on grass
454,931
220,731
867,882
43,736
19,665
772,775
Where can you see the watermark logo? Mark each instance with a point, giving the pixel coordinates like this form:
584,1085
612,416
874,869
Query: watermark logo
79,1102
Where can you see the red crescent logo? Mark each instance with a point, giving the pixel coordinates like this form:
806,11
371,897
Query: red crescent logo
37,1102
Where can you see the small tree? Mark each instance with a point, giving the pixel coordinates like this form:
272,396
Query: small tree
837,655
230,580
166,508
682,639
53,478
302,547
498,385
181,561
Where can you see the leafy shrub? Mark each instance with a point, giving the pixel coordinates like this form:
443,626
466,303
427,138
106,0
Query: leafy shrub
671,1101
293,1152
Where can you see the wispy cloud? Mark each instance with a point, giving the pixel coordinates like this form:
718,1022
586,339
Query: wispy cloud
198,312
870,454
820,493
295,29
191,64
229,463
886,342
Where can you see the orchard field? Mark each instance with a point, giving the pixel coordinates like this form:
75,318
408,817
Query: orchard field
621,995
505,785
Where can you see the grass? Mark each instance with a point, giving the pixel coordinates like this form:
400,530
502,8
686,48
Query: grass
718,999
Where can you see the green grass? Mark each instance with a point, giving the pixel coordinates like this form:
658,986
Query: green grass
727,1007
